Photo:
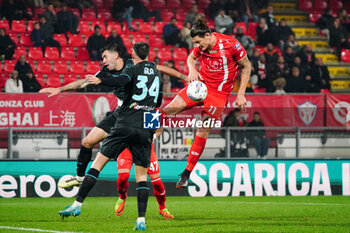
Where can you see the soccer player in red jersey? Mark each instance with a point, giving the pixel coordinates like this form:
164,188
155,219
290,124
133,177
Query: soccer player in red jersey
223,58
124,164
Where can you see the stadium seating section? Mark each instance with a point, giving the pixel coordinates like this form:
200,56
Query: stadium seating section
56,67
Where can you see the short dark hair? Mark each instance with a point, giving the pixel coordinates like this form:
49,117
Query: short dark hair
141,49
200,28
113,47
256,113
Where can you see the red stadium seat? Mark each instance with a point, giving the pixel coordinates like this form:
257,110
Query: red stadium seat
41,80
180,54
30,25
9,65
20,51
145,28
84,27
305,5
147,3
60,67
104,15
158,4
151,55
139,38
44,67
158,27
25,40
252,30
89,14
314,16
166,15
83,54
77,67
211,24
5,24
127,41
75,40
39,11
114,25
155,42
345,55
108,3
241,25
18,26
61,38
320,5
3,79
68,78
53,80
14,37
185,69
173,4
101,24
181,14
68,54
203,4
187,4
51,53
335,4
92,67
98,3
35,53
179,25
164,54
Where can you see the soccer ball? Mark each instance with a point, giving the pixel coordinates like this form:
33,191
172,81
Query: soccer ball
197,91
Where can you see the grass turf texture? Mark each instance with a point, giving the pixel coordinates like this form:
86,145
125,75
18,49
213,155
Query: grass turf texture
208,214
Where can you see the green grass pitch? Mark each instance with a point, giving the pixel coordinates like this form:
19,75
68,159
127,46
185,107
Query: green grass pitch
207,214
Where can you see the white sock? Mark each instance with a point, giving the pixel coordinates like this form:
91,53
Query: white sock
140,219
77,203
79,178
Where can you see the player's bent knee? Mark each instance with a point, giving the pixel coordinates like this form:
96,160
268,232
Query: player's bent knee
154,176
123,170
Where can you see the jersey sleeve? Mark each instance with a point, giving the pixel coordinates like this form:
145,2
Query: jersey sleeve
197,52
237,51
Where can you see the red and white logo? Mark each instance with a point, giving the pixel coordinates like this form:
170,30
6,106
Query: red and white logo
307,112
341,112
214,64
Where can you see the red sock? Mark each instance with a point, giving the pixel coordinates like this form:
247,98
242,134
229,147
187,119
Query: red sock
159,192
195,152
123,184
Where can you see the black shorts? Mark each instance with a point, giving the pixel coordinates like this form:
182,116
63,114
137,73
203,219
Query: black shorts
138,141
108,122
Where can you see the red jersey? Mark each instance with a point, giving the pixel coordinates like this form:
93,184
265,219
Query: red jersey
220,64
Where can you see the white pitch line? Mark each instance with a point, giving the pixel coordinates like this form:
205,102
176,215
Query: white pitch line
32,229
282,203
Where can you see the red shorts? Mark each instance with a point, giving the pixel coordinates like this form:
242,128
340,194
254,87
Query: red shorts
124,161
213,105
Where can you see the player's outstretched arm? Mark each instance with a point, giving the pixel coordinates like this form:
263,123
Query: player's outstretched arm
245,75
81,83
193,75
172,72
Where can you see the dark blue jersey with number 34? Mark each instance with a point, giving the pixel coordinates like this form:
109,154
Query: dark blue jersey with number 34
143,88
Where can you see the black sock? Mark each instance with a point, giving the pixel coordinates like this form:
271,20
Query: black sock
186,173
84,158
88,182
142,197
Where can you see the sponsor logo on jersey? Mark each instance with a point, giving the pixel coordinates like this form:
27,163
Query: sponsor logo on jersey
307,112
214,64
151,120
212,51
237,46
